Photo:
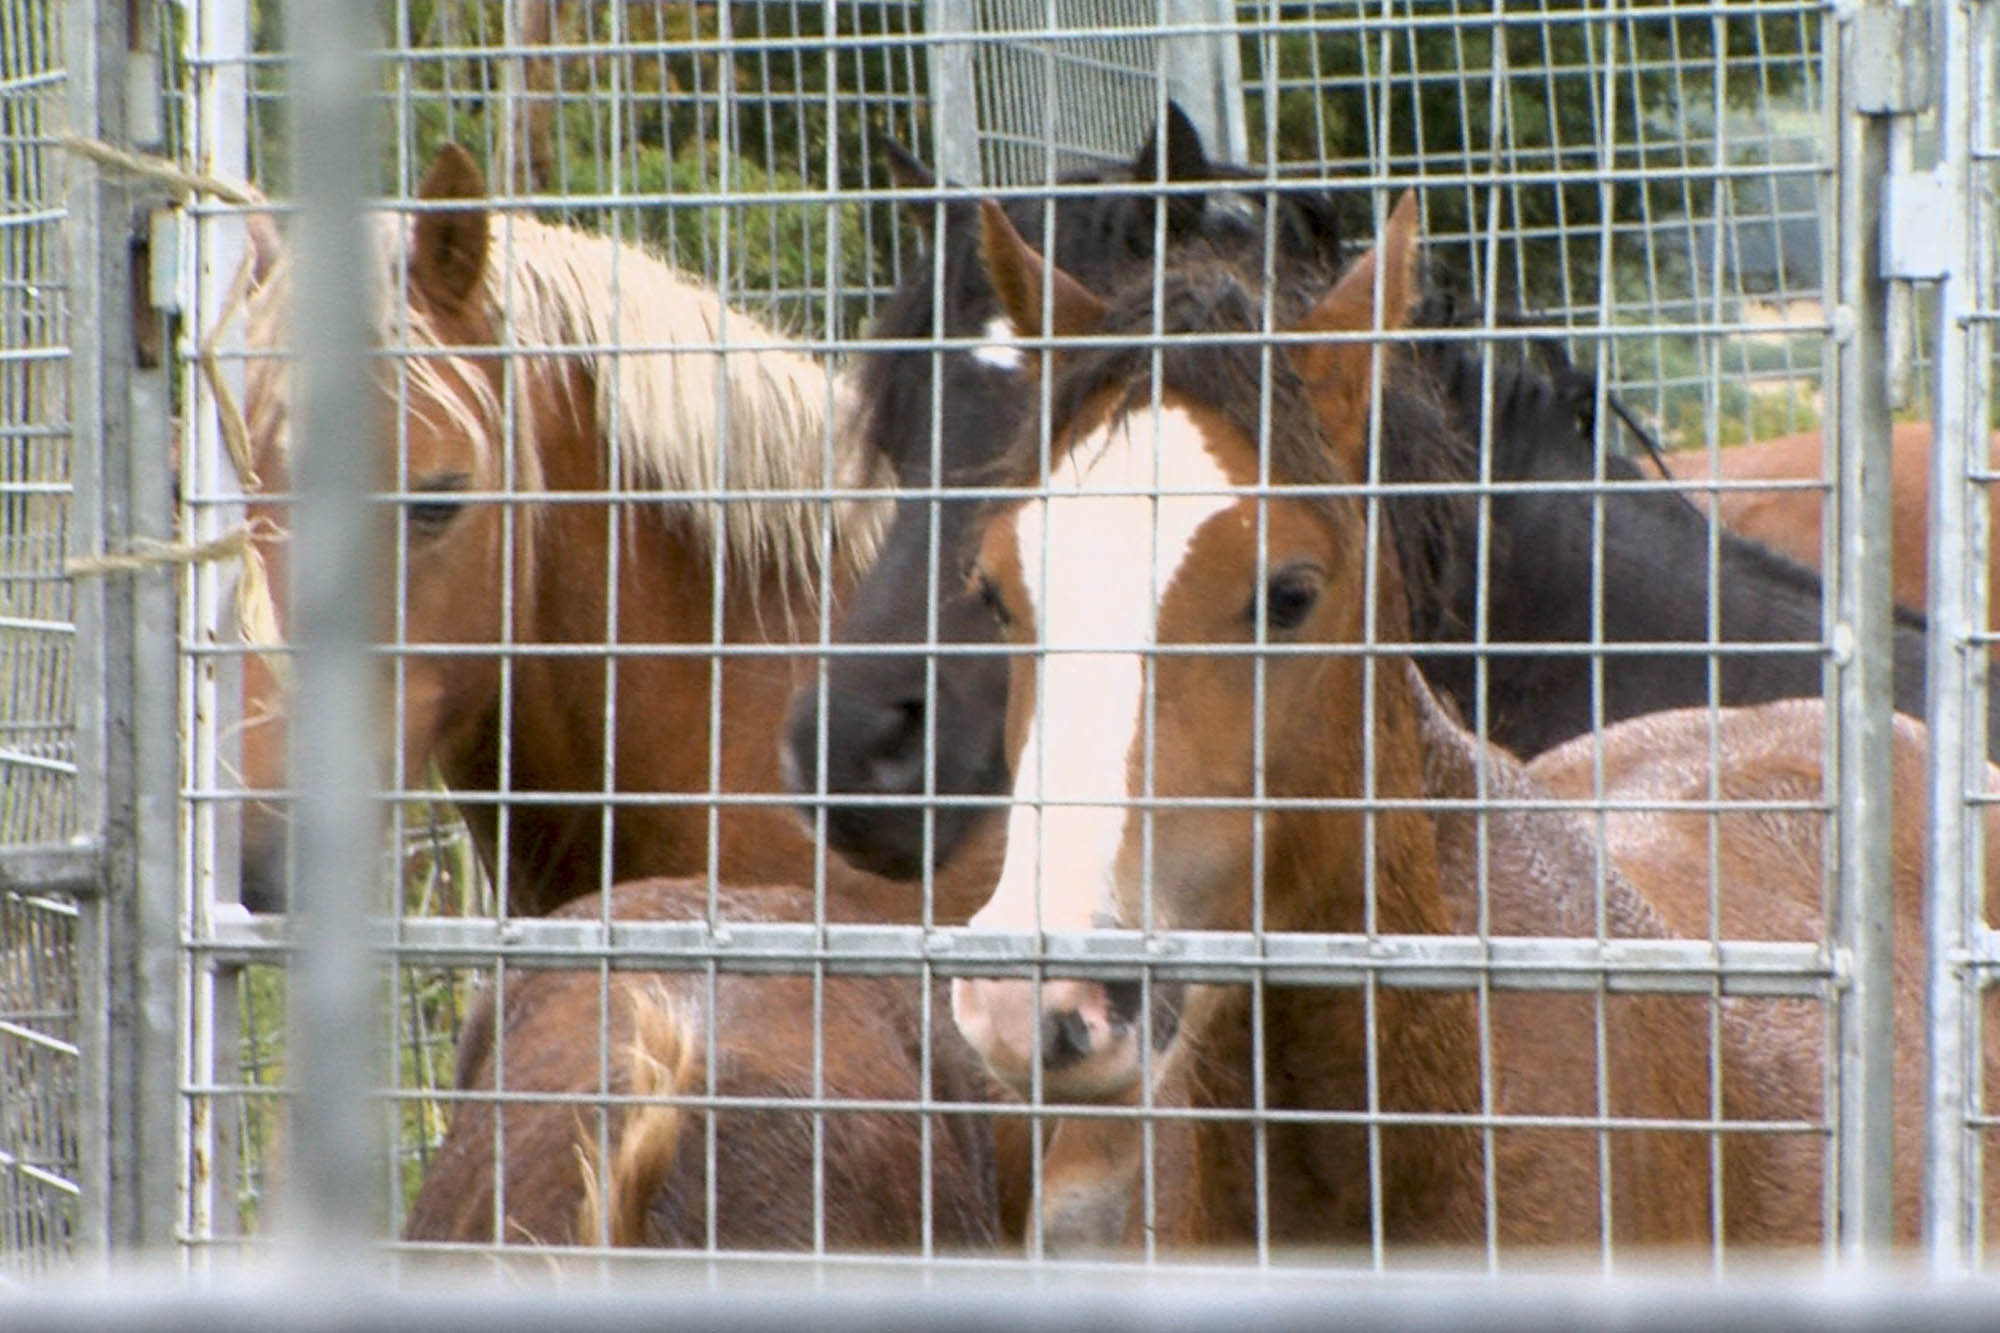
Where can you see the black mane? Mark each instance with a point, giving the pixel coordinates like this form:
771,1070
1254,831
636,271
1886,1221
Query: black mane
1101,237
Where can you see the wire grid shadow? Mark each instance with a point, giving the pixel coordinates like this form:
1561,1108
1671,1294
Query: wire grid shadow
1644,183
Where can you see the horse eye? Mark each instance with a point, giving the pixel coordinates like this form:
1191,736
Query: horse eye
989,593
430,517
1290,595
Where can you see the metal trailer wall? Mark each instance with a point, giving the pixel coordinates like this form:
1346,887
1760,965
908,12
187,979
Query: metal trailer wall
1710,244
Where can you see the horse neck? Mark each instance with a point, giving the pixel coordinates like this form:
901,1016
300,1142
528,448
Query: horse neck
1316,1040
1543,568
666,592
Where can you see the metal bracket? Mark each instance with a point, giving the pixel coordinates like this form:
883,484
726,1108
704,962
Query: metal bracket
1916,227
1892,59
73,869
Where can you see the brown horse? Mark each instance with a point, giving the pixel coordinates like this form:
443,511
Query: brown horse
1174,699
1789,520
576,1168
511,407
1769,883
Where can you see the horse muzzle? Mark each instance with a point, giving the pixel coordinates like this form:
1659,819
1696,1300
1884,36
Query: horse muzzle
1085,1036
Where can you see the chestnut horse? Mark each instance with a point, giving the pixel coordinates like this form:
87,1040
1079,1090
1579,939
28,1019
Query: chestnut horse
1789,520
1177,694
509,411
589,1159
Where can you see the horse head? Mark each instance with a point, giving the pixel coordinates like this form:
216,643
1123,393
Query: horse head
438,423
1174,590
908,723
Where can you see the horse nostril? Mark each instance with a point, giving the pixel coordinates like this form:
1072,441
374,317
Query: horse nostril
1065,1039
1123,999
896,760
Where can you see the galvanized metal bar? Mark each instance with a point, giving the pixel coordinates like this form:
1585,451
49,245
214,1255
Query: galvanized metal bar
1958,658
217,41
746,1291
1862,916
334,1173
1739,967
74,869
125,668
954,91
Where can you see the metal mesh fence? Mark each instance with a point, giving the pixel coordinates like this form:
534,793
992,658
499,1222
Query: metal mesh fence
38,933
634,1000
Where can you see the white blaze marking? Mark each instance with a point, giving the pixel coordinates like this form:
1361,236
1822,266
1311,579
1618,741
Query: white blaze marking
1002,350
1109,558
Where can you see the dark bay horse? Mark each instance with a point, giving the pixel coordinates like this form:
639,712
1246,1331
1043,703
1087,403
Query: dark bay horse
584,1158
573,633
1530,590
1789,519
1186,657
929,412
1648,552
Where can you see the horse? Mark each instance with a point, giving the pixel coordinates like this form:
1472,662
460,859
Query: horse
1648,551
609,1145
1532,595
1788,519
892,728
1185,654
509,410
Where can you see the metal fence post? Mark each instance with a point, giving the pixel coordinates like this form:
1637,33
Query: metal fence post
127,744
1862,917
335,1168
1967,31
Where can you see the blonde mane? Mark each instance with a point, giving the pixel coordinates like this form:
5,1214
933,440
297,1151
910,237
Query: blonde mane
704,423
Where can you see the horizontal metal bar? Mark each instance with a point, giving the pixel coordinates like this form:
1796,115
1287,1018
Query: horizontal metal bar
1403,961
740,1292
73,868
602,651
983,494
1474,805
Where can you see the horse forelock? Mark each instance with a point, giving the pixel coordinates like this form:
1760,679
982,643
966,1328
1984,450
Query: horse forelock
708,422
426,367
1418,440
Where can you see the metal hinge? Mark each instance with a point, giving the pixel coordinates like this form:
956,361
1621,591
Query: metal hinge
1892,59
1916,227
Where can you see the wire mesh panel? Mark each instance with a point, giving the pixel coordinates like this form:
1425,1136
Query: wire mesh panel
38,935
1958,254
1631,170
1051,95
1207,619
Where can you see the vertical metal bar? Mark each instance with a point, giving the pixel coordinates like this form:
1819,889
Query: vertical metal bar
334,1167
218,38
125,672
954,96
1862,918
1957,616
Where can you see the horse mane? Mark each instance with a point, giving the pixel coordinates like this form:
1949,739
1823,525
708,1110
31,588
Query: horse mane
1100,238
754,418
1543,428
708,423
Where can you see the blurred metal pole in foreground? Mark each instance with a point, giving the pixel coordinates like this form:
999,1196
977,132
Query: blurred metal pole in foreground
334,1175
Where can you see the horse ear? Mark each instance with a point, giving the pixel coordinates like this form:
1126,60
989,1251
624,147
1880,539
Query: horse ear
1174,152
907,173
449,257
1016,272
1349,307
